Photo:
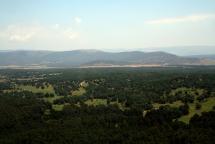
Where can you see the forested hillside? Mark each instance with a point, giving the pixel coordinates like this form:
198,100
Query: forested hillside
114,105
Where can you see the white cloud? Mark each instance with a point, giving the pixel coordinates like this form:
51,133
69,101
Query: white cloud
78,20
56,26
19,33
190,18
26,33
71,34
22,38
74,35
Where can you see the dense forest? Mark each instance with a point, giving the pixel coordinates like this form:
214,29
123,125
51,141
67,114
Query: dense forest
166,105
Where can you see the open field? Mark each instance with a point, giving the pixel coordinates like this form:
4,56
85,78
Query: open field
58,107
96,102
52,99
174,104
82,89
206,106
34,89
79,92
183,90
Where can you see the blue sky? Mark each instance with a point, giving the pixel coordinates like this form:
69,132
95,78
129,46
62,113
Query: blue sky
110,25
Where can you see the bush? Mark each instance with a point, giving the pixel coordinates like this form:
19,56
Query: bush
198,106
184,109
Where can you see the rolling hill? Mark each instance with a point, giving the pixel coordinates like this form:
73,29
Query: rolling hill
84,58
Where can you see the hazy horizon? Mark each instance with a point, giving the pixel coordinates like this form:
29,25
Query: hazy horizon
177,50
180,27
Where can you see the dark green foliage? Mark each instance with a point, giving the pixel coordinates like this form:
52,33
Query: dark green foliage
25,118
184,109
198,106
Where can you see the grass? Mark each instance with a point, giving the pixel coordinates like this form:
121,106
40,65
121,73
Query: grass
120,105
57,107
192,112
11,90
81,89
174,104
79,92
96,102
206,107
190,91
84,84
52,99
47,112
47,89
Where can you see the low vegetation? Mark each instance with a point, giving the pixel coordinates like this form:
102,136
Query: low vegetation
79,92
44,89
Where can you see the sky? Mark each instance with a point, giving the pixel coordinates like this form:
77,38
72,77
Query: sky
108,25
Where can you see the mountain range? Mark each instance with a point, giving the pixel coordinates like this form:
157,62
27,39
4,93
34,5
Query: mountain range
96,58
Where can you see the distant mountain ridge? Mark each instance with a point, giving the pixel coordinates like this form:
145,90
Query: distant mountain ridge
82,58
211,56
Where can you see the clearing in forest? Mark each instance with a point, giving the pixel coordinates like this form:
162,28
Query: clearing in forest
47,89
81,90
206,105
97,102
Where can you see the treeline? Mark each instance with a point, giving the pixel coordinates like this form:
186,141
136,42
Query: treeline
23,121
